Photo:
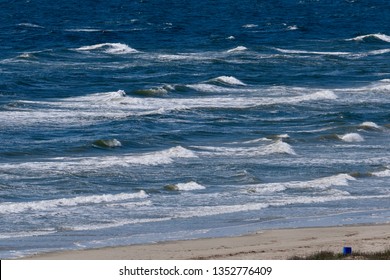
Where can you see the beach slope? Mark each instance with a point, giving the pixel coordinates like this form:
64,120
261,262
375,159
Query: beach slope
268,244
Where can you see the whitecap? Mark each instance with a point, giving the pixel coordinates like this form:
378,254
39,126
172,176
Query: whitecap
7,235
47,205
77,165
278,147
100,97
83,30
189,186
32,25
369,125
111,48
351,137
384,173
228,80
378,36
156,91
312,52
237,49
107,143
292,27
319,95
204,211
202,87
320,183
250,25
26,56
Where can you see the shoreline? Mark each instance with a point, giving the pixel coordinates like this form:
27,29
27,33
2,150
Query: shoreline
271,244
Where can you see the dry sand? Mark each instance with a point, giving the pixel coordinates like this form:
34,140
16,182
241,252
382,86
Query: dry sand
268,244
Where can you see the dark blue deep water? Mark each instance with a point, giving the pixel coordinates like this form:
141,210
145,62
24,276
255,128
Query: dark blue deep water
126,122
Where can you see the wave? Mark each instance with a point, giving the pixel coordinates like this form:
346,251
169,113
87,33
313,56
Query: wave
237,49
77,165
228,80
109,143
190,186
156,91
99,97
84,30
31,25
45,205
377,36
251,25
278,147
321,184
384,173
311,52
111,48
351,137
369,126
204,211
351,55
292,27
88,109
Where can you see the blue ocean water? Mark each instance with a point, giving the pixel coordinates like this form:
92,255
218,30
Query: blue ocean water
126,122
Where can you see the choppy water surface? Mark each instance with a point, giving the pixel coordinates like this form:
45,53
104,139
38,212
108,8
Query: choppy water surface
127,122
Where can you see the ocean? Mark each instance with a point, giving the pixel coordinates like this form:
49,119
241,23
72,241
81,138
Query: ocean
132,122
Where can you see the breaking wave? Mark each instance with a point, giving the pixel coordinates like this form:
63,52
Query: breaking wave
84,164
321,183
351,137
237,49
278,147
377,36
369,126
228,80
110,48
190,186
42,205
107,143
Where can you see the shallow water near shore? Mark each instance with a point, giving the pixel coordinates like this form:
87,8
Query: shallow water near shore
136,122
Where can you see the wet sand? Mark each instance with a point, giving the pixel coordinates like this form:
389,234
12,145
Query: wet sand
276,244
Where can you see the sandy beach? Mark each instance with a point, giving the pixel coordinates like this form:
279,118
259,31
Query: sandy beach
276,244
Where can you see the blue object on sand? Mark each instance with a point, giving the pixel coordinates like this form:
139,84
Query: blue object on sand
347,250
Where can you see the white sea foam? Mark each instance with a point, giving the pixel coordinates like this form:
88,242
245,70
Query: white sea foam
378,52
26,234
384,173
84,30
312,52
228,80
83,164
378,36
118,223
237,49
47,205
278,147
111,48
204,211
203,87
351,137
321,183
292,27
369,125
92,108
319,95
190,186
251,25
32,25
